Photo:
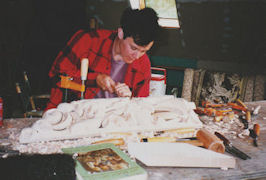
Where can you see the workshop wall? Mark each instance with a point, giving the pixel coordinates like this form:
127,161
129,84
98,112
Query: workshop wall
31,34
231,33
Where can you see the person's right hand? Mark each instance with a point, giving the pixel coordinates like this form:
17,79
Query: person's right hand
122,90
105,82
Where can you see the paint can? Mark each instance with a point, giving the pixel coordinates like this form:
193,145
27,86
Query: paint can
158,82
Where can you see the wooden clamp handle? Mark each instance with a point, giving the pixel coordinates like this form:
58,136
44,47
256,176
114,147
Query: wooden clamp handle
210,141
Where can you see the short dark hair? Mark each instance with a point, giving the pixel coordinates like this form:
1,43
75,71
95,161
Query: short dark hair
142,25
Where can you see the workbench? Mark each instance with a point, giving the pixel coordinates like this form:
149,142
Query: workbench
253,168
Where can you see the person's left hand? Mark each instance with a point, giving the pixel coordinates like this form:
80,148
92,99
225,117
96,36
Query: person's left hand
122,90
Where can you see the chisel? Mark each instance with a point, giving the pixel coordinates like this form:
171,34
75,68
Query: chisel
230,148
254,133
192,140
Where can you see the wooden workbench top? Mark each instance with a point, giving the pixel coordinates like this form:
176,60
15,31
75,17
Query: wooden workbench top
245,169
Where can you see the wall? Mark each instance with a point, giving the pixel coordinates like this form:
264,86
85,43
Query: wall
229,33
31,34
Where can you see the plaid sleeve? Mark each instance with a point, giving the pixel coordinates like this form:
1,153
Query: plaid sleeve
68,60
142,87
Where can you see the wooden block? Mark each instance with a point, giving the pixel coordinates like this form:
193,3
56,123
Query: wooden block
178,155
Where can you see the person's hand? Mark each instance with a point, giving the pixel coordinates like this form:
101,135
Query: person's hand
122,90
105,82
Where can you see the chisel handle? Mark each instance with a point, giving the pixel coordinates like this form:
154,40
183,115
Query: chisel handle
117,142
257,129
84,68
210,141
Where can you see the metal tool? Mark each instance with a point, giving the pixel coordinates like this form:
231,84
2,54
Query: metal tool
244,121
83,74
254,133
4,152
230,148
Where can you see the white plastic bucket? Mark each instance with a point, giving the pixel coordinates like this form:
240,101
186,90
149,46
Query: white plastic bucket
158,82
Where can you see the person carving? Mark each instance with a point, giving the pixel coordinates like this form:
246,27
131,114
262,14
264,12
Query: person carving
118,63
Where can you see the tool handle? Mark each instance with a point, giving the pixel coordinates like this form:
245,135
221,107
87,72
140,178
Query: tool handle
159,139
210,141
248,116
117,142
84,68
238,101
222,137
256,128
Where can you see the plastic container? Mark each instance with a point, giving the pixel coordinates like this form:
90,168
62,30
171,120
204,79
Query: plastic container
158,82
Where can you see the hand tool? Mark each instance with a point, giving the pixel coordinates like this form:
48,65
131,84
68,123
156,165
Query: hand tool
212,111
83,74
244,121
68,83
230,148
210,141
188,130
238,101
117,142
237,107
254,133
22,99
28,87
208,104
256,110
4,152
248,116
191,140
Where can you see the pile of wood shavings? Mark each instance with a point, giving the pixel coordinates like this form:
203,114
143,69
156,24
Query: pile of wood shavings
231,128
13,127
49,147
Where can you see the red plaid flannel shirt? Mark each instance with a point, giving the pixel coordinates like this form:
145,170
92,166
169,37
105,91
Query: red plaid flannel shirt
97,47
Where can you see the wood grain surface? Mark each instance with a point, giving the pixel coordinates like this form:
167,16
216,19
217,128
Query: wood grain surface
254,168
